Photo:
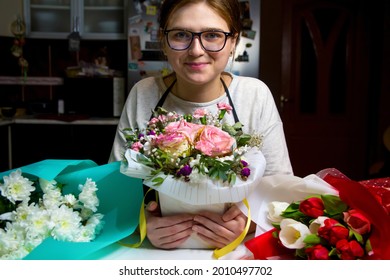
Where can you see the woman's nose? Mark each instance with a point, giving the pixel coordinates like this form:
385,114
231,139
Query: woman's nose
196,47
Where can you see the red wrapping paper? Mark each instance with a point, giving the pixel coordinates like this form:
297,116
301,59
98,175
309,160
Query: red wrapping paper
371,197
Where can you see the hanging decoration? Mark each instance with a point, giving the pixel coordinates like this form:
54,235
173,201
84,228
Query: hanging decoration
18,28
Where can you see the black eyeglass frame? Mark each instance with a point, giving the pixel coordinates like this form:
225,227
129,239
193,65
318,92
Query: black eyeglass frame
198,34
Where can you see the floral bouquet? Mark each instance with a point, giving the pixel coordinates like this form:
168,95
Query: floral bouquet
354,224
34,209
65,209
195,162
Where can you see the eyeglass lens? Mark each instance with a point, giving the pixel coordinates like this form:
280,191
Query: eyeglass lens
210,40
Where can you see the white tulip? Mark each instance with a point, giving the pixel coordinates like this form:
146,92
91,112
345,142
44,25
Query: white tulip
293,233
275,209
317,223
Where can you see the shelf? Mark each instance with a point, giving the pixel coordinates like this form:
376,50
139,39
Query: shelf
31,81
50,7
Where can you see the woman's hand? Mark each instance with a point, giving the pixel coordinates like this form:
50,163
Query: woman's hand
166,232
217,230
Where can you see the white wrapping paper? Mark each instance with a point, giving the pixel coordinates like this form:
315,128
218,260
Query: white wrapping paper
202,191
177,196
284,188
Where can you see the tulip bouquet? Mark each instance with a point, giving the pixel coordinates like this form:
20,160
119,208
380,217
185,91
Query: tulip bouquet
195,149
33,209
321,227
345,220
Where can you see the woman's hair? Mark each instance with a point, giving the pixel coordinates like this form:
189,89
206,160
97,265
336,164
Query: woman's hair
229,10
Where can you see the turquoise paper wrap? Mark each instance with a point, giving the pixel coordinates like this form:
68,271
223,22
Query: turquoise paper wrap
120,201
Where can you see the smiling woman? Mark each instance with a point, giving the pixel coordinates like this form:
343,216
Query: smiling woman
198,38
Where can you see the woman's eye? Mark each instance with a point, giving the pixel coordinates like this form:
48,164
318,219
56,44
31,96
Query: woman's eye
212,35
182,35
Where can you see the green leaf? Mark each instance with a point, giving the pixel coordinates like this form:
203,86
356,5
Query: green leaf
312,239
358,236
158,181
368,246
229,129
333,204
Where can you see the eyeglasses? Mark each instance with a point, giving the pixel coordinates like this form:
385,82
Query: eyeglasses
211,40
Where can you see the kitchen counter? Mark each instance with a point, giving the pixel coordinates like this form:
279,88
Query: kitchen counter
31,138
59,120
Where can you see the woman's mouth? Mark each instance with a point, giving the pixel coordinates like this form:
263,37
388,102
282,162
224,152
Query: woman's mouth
196,65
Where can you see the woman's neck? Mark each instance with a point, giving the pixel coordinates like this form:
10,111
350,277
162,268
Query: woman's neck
199,93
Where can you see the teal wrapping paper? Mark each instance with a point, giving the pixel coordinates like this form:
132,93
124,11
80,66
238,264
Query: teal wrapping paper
120,201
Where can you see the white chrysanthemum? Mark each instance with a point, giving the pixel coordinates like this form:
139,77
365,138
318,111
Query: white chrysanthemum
46,185
39,225
11,239
24,211
88,195
52,199
16,187
92,228
67,223
85,213
70,200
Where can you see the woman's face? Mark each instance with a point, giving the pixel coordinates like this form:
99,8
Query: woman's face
196,65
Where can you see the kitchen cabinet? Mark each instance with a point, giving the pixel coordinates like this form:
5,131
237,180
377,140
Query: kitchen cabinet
93,19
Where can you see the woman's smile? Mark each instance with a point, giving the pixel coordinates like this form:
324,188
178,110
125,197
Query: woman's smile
196,65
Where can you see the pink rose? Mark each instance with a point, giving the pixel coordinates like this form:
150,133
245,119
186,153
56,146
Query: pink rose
312,207
175,143
214,142
187,129
357,221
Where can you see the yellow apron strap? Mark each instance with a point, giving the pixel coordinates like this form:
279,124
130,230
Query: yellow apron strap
233,245
142,224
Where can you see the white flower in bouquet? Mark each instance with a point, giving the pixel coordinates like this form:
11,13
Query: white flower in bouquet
16,187
29,214
88,195
275,209
292,233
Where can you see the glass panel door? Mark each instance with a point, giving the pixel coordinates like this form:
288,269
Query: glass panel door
50,15
104,16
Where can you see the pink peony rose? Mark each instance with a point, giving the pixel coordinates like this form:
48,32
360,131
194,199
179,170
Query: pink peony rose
189,130
214,142
357,221
174,143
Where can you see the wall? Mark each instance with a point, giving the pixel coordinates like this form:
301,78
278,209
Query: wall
9,10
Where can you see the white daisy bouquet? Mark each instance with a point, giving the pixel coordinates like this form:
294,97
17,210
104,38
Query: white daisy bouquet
33,209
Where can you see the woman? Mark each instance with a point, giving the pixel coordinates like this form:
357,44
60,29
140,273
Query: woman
198,38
